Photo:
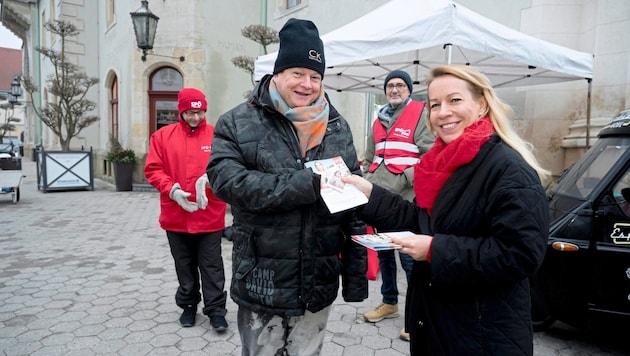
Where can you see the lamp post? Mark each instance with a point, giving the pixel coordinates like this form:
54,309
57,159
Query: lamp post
144,25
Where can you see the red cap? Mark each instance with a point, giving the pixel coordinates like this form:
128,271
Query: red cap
191,99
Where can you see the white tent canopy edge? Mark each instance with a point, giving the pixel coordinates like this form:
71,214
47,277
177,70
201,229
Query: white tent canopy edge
431,32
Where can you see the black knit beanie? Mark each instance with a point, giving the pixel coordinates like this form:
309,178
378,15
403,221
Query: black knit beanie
300,46
399,74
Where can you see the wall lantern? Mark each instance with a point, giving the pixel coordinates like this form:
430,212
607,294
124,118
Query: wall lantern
144,25
16,89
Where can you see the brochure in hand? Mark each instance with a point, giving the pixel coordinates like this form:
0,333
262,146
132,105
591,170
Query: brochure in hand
337,195
382,240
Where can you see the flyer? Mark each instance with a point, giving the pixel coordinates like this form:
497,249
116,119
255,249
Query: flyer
337,195
382,240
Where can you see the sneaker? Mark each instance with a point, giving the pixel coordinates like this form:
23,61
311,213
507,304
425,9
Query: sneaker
218,323
188,316
404,335
383,311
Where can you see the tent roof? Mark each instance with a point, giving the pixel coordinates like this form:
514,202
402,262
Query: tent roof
360,54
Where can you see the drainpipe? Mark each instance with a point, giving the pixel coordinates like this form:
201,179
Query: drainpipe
38,73
263,18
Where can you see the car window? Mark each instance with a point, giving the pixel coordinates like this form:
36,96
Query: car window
586,174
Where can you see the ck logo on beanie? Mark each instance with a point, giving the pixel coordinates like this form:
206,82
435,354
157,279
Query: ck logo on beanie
314,55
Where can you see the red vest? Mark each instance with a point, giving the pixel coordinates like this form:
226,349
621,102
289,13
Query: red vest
397,148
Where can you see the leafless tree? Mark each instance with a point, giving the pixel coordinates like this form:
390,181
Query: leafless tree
260,34
9,119
67,115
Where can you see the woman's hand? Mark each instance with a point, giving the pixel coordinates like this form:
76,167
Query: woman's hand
362,184
416,246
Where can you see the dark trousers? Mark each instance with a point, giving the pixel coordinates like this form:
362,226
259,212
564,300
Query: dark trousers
387,264
196,254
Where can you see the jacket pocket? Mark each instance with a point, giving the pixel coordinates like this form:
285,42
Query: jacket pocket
244,258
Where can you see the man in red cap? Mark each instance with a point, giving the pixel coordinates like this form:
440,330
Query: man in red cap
192,216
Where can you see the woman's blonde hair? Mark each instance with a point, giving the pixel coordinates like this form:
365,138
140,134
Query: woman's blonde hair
499,112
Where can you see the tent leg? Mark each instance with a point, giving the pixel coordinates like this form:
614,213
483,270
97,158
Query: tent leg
588,114
449,52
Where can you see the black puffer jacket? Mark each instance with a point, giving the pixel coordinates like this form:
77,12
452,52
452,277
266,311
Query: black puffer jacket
288,249
490,227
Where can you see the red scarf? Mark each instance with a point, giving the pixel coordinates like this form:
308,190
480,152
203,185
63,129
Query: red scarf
442,160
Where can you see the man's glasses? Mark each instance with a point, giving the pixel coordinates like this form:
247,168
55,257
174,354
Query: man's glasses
398,86
191,114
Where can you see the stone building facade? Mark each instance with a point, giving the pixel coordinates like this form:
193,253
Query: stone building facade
136,97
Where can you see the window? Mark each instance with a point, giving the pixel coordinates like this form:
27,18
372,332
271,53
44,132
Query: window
113,107
110,15
165,83
293,3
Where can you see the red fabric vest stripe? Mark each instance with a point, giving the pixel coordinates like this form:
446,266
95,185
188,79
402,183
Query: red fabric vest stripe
397,148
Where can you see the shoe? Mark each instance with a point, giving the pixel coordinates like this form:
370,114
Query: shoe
218,323
188,316
383,311
404,335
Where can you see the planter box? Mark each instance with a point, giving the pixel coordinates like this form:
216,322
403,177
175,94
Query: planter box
123,174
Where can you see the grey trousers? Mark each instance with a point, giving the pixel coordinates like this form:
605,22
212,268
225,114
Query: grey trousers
273,335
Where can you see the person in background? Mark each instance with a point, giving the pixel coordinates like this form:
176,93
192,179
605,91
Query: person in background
398,139
289,251
191,215
481,219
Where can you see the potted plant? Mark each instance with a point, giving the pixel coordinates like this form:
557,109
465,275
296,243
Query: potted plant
122,159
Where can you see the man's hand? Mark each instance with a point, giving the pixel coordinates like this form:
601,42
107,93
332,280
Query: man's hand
200,186
181,197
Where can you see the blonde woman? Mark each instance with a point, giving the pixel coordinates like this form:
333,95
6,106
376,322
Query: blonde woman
481,219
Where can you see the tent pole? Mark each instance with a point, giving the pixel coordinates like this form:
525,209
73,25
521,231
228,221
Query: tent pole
588,114
369,118
449,49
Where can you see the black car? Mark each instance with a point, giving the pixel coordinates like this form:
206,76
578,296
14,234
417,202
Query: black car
585,277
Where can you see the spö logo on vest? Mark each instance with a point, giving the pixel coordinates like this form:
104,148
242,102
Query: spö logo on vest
195,104
314,55
402,132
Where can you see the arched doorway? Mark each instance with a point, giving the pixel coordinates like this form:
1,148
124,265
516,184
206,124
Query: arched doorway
164,84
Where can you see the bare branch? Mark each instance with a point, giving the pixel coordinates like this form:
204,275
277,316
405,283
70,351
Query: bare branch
69,84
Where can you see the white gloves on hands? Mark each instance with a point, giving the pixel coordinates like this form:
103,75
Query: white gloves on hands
181,197
200,187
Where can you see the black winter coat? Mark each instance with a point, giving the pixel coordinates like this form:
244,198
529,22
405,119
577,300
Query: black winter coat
288,250
490,227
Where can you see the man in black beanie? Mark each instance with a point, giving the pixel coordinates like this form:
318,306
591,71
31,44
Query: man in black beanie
398,139
287,245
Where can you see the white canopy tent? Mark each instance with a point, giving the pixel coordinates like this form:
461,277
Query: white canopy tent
415,35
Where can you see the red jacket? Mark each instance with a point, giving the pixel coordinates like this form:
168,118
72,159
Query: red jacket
177,154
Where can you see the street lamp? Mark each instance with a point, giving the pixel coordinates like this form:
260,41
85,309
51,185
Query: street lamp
144,25
16,89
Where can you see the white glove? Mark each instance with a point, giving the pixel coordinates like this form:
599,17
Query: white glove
181,197
200,186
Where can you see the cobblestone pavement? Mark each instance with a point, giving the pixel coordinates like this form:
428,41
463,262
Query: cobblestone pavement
90,273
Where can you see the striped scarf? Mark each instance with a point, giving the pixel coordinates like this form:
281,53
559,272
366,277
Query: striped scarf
309,121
